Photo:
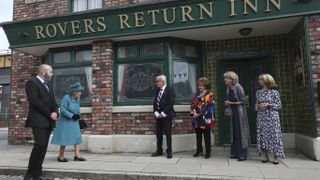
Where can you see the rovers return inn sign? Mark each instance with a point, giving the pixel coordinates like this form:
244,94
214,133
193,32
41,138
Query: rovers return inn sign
169,16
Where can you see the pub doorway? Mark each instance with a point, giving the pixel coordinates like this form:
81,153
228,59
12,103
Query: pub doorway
248,68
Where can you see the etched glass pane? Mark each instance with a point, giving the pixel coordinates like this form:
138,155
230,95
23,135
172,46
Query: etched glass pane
63,78
127,52
185,50
61,57
137,81
84,55
184,79
153,49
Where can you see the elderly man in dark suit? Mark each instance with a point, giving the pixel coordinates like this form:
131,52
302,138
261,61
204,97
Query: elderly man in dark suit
43,112
163,112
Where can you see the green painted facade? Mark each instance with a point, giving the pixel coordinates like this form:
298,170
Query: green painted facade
163,17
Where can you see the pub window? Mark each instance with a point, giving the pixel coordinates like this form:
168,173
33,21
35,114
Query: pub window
72,65
137,65
84,5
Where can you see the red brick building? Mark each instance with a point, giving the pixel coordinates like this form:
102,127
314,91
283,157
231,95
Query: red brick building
116,48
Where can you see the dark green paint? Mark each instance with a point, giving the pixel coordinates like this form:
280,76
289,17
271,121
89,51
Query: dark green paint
221,11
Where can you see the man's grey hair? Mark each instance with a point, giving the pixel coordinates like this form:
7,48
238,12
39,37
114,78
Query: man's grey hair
162,78
44,67
231,75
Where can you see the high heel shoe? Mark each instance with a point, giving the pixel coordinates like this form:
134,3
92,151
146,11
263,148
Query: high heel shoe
62,159
197,154
76,158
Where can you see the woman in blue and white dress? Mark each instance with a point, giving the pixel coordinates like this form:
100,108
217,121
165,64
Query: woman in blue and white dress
68,130
268,105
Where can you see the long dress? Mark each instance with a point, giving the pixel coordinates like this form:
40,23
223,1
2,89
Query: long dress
67,131
268,123
236,146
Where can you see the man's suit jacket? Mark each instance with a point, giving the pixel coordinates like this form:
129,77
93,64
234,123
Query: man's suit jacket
166,102
41,104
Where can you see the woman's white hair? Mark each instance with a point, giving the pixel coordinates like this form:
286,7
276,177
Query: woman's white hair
231,75
162,78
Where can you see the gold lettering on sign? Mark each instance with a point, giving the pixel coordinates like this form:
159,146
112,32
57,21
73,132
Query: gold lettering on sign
39,32
209,11
51,30
232,8
75,27
64,28
186,13
153,16
124,21
101,24
165,15
88,26
275,4
253,7
138,16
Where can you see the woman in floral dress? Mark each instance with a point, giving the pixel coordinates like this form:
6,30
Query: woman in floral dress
268,104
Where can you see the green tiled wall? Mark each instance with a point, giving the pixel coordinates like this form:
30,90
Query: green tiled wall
295,115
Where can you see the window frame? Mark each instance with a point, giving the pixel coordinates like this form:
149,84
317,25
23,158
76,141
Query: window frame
72,64
167,59
71,10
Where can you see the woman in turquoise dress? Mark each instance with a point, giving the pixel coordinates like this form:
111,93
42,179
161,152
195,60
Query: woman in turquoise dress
67,131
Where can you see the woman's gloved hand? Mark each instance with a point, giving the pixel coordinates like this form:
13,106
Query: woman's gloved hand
76,117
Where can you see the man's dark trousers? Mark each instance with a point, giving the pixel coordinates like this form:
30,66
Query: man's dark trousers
41,138
164,126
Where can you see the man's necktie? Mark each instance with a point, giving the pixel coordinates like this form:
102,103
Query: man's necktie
159,98
45,83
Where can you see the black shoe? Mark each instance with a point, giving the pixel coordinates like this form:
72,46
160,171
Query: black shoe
265,161
197,154
275,162
169,155
207,156
242,159
28,177
59,159
157,153
79,158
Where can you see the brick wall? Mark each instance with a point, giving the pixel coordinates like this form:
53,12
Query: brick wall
61,7
22,10
102,87
23,67
144,123
314,32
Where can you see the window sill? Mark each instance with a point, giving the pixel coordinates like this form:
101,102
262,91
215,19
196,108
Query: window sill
85,110
136,109
147,108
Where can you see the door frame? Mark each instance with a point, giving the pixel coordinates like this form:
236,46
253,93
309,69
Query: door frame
249,57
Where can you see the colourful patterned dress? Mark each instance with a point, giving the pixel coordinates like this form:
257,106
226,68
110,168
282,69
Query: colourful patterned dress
268,123
203,104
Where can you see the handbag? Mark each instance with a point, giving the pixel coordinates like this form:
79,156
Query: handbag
83,124
228,111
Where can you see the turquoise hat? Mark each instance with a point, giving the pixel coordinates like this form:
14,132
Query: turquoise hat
75,87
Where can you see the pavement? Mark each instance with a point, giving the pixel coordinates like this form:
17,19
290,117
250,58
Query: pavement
122,166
